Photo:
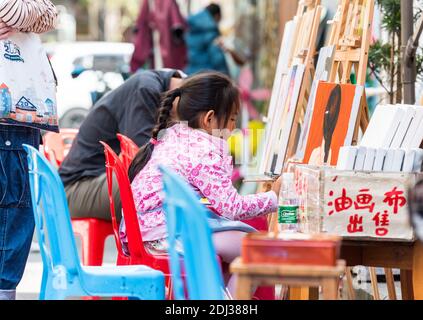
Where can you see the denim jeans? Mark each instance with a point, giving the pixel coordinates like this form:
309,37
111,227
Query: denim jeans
16,216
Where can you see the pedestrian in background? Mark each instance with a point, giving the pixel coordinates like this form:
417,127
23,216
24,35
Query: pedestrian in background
16,215
206,49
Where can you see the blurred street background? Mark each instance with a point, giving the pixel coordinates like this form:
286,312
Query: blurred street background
92,48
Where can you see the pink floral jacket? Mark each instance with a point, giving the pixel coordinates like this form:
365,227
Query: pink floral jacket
204,161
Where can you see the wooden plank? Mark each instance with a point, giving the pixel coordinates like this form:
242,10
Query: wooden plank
351,291
300,293
353,55
287,270
287,10
375,287
333,25
330,289
306,24
396,257
407,292
418,271
244,288
378,254
309,34
390,283
303,284
367,34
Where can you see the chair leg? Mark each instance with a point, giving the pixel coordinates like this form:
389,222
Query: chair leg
93,235
406,278
244,288
122,261
350,286
44,283
390,282
373,279
330,289
169,288
93,248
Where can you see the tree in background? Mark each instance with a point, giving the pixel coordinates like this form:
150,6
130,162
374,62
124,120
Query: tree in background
385,58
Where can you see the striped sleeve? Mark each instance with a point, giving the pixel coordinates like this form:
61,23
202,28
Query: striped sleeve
29,15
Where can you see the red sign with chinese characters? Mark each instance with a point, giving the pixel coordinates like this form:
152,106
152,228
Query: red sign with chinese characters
363,205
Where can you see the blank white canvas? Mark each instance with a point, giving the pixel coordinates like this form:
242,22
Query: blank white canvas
409,158
396,121
361,157
380,159
399,137
277,95
414,134
346,158
418,160
359,92
370,159
399,155
389,160
413,160
382,127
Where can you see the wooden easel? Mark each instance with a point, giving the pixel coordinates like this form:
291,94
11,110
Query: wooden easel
267,185
302,52
352,40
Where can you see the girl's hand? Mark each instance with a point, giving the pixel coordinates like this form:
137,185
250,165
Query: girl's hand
277,186
5,31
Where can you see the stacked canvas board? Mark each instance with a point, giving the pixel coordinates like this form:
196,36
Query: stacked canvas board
391,142
279,94
293,79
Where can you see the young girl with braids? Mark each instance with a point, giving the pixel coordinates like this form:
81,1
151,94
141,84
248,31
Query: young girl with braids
194,146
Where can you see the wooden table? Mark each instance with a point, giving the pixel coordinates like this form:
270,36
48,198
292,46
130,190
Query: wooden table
406,256
251,275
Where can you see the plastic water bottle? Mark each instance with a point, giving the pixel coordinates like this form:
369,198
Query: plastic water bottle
288,205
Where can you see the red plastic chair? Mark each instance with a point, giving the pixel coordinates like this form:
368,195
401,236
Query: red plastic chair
57,145
93,232
128,150
138,254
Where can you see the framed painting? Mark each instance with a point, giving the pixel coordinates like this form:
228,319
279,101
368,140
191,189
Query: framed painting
323,70
336,109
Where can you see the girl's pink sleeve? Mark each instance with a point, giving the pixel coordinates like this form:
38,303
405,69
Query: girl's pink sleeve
37,16
212,177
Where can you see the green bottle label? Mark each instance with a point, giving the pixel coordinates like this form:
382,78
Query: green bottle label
288,214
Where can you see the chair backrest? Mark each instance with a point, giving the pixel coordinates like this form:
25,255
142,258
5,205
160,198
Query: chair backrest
128,149
51,215
135,242
187,221
57,145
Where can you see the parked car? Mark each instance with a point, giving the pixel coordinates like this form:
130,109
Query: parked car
85,72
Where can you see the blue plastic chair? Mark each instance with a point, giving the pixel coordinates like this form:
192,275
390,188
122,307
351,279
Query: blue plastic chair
63,275
187,222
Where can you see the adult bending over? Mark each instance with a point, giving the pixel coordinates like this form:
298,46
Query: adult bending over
130,110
